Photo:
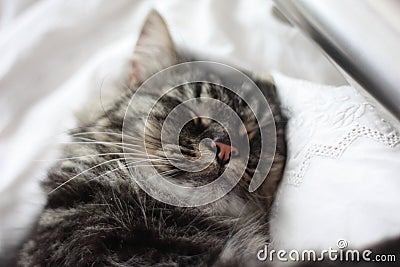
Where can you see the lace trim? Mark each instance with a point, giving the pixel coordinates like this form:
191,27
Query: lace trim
335,151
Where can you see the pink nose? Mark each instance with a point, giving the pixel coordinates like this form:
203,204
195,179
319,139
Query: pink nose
225,151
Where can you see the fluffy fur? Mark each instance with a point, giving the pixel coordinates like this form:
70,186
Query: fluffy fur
102,218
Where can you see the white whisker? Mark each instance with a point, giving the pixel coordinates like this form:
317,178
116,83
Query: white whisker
109,133
120,145
117,143
150,157
82,172
127,166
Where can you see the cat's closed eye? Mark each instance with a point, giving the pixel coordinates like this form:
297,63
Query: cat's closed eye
201,123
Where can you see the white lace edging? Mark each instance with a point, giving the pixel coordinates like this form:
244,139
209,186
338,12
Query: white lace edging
336,150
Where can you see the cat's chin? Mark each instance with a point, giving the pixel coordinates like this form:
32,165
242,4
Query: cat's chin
231,205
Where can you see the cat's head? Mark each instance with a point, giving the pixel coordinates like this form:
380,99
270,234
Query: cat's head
154,52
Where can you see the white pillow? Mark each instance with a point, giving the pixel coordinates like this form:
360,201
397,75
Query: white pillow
342,178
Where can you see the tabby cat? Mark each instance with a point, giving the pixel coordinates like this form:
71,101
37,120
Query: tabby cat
102,217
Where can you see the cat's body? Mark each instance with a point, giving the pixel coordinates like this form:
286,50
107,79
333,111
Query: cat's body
101,217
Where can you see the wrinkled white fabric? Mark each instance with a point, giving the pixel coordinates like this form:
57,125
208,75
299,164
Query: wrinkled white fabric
56,54
341,179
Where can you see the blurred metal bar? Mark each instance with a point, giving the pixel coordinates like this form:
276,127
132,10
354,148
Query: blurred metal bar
362,37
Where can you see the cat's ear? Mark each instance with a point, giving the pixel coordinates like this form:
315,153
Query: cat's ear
154,49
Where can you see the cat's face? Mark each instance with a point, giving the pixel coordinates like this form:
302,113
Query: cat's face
202,139
200,135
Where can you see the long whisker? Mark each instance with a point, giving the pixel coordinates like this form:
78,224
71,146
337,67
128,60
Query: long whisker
128,146
118,143
154,141
100,164
149,160
150,157
109,133
82,172
127,166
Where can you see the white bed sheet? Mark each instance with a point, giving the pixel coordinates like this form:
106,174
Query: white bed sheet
55,54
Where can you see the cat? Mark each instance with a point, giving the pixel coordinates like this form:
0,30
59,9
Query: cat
102,217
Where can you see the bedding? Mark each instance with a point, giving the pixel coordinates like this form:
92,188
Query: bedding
341,178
